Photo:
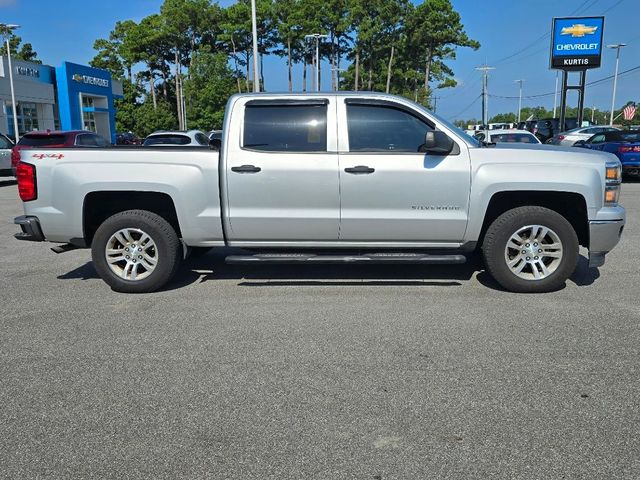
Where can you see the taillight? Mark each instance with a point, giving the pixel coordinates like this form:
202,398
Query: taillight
635,148
535,130
561,137
15,157
26,175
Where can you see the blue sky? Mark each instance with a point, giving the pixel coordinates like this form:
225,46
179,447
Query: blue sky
65,30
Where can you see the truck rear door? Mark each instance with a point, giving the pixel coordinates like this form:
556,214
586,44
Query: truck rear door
282,184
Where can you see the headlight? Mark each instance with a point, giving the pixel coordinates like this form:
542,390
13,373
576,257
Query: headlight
613,178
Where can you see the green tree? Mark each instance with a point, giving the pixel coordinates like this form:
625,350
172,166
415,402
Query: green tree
210,84
19,50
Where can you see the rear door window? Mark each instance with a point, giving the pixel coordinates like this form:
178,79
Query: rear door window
294,127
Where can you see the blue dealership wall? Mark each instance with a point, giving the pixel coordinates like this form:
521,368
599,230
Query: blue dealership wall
72,80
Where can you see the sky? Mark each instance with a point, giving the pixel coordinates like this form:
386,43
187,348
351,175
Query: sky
512,35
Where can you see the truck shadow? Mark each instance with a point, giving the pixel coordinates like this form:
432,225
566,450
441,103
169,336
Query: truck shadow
212,267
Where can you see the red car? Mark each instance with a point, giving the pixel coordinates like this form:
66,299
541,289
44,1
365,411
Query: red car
67,139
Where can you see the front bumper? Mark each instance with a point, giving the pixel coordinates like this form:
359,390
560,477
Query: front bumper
604,235
31,230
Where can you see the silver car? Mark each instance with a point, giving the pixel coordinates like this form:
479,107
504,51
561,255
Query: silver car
570,137
177,138
5,156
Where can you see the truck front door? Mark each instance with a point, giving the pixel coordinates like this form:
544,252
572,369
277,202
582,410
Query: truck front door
390,192
282,182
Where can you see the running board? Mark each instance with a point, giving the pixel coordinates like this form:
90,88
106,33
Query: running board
373,258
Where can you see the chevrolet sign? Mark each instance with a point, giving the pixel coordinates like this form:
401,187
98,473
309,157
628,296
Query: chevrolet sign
576,43
98,82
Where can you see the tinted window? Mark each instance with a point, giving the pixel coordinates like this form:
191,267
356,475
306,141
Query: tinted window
374,128
630,136
86,140
169,139
41,140
202,139
513,138
285,128
597,138
592,130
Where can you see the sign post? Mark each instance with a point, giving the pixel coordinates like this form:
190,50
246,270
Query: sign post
576,46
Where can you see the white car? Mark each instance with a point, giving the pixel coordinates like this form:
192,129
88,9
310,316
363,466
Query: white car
507,136
570,137
177,138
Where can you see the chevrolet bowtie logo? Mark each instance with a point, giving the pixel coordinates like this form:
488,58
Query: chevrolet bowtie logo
578,30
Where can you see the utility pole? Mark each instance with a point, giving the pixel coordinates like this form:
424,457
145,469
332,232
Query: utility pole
555,94
520,98
254,30
316,37
485,95
617,46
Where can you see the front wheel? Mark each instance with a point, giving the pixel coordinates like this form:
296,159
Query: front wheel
531,250
136,251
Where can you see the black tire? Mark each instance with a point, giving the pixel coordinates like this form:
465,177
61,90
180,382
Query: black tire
167,243
501,230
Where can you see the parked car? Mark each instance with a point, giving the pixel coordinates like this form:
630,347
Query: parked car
508,136
6,144
127,138
57,139
177,138
623,144
349,178
584,133
547,128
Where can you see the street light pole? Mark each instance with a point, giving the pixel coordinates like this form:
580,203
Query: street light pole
6,29
316,37
520,98
254,30
617,46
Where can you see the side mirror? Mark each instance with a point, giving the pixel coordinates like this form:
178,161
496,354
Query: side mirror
437,143
215,144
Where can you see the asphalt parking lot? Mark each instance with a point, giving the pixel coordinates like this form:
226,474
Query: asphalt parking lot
327,372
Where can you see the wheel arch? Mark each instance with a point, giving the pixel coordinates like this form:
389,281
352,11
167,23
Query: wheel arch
100,205
571,205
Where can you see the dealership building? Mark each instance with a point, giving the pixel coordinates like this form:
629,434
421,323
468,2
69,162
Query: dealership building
68,97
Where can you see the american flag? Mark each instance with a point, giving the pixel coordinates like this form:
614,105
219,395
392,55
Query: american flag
629,111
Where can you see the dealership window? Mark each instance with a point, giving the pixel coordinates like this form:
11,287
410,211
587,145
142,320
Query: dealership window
27,117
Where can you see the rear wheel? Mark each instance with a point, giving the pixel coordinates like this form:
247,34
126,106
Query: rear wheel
531,250
136,251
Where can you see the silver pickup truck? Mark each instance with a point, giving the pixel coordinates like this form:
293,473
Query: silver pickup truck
309,178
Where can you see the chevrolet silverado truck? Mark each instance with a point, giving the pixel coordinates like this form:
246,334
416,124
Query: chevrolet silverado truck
339,178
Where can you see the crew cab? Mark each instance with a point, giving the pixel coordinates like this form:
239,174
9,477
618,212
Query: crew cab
335,177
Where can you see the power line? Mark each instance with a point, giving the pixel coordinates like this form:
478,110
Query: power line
467,107
595,82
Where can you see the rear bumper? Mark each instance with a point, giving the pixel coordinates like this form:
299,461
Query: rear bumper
31,230
604,235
